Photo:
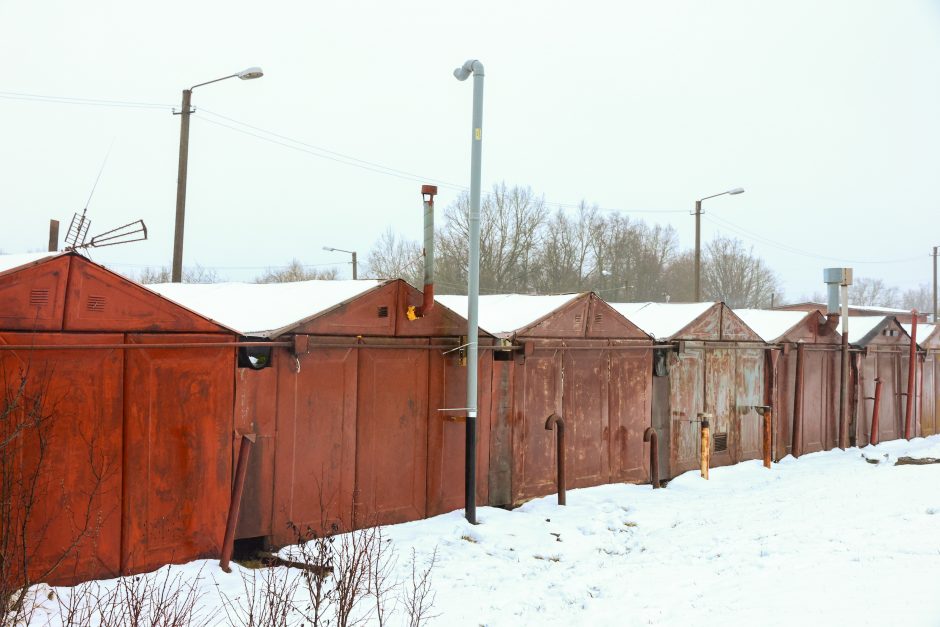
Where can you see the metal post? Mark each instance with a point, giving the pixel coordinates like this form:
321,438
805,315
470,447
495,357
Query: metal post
875,434
53,235
428,192
177,275
844,379
650,436
473,279
766,413
558,423
796,444
911,380
355,267
241,469
706,446
935,284
698,250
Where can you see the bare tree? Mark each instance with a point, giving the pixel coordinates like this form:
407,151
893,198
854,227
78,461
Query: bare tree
194,274
296,271
919,298
630,258
511,221
873,292
393,257
735,275
678,280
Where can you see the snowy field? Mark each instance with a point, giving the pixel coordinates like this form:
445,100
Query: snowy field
830,539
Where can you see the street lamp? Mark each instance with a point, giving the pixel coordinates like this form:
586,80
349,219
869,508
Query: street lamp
473,282
698,238
185,111
351,252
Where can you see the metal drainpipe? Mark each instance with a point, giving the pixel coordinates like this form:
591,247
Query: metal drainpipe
875,434
796,445
911,378
555,421
428,192
473,281
844,382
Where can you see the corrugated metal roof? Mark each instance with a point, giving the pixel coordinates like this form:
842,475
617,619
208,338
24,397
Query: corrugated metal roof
263,309
771,325
502,314
662,320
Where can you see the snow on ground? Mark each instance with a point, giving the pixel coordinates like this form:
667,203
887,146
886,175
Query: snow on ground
829,539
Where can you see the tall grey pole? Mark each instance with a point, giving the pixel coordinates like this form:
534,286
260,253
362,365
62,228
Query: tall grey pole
698,251
355,265
935,284
473,283
181,188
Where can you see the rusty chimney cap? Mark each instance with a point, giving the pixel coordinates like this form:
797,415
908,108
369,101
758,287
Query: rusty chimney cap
429,190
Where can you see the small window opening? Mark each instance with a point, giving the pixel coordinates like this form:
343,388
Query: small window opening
383,311
661,362
254,357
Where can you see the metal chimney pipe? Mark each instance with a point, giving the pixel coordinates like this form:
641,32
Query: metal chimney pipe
428,192
53,235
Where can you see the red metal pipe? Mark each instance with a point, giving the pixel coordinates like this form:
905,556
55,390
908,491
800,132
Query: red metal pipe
18,347
556,421
796,445
650,436
874,436
241,469
428,192
911,378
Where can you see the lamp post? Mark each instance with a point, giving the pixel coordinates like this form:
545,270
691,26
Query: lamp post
473,283
935,283
184,113
351,252
698,238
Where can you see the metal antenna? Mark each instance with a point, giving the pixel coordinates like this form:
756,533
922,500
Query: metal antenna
78,227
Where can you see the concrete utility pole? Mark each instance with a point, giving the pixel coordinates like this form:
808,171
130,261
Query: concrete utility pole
184,113
473,282
698,239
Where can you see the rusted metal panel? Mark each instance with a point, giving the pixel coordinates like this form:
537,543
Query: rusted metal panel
34,297
568,321
720,402
537,394
733,329
662,422
177,451
584,409
603,321
256,412
930,394
391,436
440,321
630,412
686,401
706,327
372,314
748,393
315,461
501,411
71,460
100,300
447,436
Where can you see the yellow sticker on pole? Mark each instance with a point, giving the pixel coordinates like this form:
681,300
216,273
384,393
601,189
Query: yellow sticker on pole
478,133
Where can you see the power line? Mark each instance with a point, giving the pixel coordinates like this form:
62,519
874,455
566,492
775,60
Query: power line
711,217
99,102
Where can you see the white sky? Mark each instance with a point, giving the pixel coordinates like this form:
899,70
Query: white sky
825,112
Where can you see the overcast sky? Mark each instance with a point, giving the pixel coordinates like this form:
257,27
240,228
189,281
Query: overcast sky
826,112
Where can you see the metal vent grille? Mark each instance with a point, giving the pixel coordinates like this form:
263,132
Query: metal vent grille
577,320
598,318
38,297
383,312
96,303
721,442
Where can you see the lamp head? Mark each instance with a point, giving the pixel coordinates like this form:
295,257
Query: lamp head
462,73
736,190
250,73
328,248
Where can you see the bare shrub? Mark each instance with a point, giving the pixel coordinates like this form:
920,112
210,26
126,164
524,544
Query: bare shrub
418,595
267,598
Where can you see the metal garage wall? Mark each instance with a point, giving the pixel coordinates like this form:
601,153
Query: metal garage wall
73,528
177,437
